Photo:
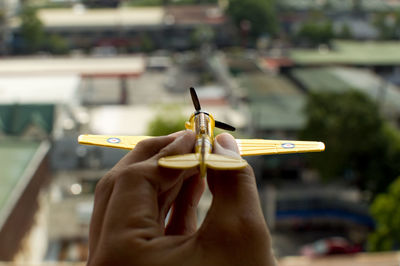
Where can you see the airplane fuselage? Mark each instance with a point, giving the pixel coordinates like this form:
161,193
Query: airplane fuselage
202,124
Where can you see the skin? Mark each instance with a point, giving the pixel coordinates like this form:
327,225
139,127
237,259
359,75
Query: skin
133,199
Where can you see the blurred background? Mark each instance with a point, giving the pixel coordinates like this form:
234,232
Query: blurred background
326,70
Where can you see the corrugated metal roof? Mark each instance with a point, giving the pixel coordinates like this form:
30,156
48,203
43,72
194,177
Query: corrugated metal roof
195,14
107,17
350,53
278,112
68,67
15,155
274,102
338,5
54,89
14,119
19,159
341,79
260,85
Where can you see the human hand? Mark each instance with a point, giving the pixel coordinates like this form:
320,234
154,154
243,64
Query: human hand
133,199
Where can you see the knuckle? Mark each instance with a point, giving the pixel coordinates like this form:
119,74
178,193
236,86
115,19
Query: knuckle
105,183
144,143
166,151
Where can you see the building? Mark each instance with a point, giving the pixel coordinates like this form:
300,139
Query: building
342,79
32,106
8,8
362,259
275,105
23,180
130,29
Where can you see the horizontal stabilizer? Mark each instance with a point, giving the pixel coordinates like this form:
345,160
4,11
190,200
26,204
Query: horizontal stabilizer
184,161
222,162
213,161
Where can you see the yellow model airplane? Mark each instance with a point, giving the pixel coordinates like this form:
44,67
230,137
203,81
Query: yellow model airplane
203,123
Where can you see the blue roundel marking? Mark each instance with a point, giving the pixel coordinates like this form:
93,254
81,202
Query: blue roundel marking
113,140
288,145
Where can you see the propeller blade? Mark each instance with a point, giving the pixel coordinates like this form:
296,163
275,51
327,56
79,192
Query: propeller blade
195,99
224,126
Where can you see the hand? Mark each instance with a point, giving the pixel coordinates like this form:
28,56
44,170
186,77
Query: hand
133,199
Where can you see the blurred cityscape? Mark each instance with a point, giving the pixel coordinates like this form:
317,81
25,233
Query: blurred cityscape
326,70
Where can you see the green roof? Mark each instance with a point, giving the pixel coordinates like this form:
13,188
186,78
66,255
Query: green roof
350,53
279,113
15,118
336,5
15,154
320,80
341,79
275,102
260,85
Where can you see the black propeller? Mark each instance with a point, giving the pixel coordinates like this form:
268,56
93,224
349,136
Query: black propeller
195,99
223,125
197,106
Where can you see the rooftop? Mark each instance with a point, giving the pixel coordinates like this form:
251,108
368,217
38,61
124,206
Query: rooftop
261,85
284,112
275,103
82,17
199,14
38,89
341,79
339,5
17,160
134,120
350,53
61,66
14,119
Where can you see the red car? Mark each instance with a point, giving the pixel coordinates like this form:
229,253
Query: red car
330,246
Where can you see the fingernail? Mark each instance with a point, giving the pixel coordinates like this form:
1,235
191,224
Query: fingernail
227,141
178,133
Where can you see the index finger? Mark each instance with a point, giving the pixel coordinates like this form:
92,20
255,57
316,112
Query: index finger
137,189
143,151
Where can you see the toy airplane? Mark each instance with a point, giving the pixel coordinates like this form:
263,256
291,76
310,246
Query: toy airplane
203,123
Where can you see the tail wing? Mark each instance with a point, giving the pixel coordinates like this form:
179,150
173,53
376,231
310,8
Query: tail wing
184,161
213,161
221,162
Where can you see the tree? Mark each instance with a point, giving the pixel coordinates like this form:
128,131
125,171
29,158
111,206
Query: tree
388,24
260,14
31,30
146,43
168,120
345,32
360,147
316,32
202,35
385,210
57,44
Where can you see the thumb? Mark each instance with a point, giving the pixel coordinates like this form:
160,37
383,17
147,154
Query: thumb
234,223
234,191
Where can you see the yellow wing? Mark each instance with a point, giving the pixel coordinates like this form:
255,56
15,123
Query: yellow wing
248,147
120,142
